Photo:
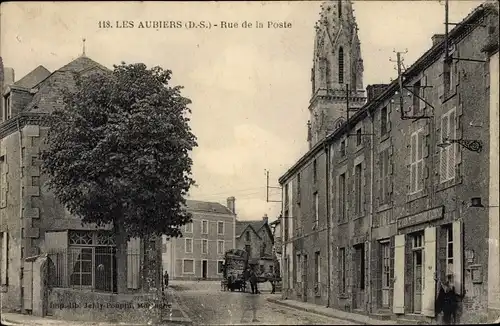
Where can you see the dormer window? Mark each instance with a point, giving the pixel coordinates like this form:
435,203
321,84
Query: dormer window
7,110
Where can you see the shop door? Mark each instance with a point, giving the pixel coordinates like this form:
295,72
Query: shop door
386,270
418,262
304,279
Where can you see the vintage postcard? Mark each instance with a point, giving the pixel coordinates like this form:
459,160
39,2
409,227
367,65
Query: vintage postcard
249,162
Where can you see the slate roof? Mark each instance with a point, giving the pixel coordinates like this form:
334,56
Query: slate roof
254,224
33,78
48,94
207,207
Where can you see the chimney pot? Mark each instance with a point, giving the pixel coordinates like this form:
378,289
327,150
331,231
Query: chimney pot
437,38
265,218
231,204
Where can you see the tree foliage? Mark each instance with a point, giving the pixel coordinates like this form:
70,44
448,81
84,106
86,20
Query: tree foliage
118,151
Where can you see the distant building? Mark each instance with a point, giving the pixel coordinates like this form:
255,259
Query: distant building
199,253
256,238
278,243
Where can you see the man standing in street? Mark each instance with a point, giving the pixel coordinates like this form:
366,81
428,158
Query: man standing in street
253,281
165,279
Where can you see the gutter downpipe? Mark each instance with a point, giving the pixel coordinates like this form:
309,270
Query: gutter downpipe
327,196
370,225
21,221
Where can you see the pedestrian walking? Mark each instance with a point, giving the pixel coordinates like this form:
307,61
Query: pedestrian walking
272,279
447,300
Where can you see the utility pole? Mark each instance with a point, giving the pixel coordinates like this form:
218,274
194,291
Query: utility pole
267,189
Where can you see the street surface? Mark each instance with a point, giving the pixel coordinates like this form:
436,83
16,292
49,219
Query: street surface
206,304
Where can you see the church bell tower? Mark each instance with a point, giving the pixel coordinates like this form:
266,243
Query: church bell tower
337,71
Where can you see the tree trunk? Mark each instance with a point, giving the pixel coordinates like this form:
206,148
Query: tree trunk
121,257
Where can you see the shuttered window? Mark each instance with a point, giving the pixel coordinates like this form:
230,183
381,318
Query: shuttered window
448,153
417,161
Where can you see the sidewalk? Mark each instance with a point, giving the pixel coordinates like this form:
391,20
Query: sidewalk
176,314
331,312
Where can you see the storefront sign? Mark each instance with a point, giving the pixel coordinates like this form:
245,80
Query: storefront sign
424,217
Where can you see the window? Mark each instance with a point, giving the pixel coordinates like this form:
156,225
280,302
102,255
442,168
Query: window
188,266
298,187
263,250
342,197
358,137
448,154
417,161
220,267
385,181
449,249
3,182
220,247
341,65
316,209
204,227
4,252
248,249
247,236
188,228
339,5
188,245
315,171
297,271
92,261
204,246
342,148
342,268
449,74
386,272
220,227
358,184
417,92
7,109
384,121
317,268
271,269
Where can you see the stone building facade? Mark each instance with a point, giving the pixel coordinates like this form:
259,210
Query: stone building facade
199,254
256,238
32,220
400,186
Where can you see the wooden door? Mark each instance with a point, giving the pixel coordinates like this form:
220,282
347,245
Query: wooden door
304,279
386,273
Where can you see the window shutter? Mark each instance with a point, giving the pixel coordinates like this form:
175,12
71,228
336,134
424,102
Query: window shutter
458,253
413,157
440,81
398,306
429,290
5,257
451,149
420,166
133,263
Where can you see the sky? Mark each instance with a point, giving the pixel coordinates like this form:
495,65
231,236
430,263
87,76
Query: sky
249,87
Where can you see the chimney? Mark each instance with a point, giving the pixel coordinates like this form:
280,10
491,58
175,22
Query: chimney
373,91
437,38
231,204
8,76
265,218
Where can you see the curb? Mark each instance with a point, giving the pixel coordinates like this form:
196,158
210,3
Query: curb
185,320
280,302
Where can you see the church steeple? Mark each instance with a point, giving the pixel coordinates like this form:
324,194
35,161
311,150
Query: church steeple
337,61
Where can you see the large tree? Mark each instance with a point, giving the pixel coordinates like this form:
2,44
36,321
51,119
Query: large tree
118,151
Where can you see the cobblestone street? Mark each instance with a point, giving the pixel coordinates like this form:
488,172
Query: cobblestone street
206,304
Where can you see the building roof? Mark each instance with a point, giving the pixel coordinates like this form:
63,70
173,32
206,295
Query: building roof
465,26
255,225
207,207
46,94
33,78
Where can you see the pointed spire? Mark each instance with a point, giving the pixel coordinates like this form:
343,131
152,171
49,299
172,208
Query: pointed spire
83,44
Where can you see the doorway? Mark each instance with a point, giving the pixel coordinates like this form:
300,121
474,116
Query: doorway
386,273
418,263
204,269
359,285
304,279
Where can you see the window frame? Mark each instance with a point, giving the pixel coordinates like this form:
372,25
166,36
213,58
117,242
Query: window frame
184,266
219,252
417,161
203,242
190,229
202,228
186,247
448,155
219,223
